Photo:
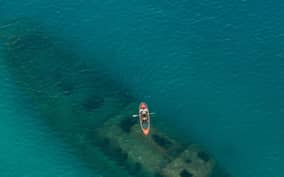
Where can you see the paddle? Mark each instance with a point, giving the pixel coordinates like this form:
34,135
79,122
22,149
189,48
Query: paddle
136,115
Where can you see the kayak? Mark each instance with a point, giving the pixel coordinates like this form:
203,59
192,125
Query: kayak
144,118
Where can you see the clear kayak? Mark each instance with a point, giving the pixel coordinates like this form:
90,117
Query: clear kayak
144,118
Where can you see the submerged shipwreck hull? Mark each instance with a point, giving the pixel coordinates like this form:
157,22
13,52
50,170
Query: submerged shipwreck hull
153,155
90,111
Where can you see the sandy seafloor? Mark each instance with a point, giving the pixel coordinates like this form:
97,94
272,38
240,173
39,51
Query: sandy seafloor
213,69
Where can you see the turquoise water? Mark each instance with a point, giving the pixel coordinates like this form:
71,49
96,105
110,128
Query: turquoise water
28,147
216,67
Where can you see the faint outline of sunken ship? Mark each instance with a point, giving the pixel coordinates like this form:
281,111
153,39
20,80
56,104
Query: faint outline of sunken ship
90,111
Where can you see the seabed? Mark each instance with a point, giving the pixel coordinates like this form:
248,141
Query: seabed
90,111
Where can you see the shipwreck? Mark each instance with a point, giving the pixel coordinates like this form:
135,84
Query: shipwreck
92,112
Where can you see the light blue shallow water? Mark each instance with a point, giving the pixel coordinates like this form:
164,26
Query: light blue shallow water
219,65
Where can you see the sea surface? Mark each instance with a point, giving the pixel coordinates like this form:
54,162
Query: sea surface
214,70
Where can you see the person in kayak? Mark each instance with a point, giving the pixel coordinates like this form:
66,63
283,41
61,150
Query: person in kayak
144,114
